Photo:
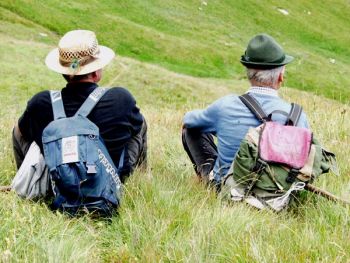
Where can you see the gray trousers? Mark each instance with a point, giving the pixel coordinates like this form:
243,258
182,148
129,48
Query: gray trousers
136,147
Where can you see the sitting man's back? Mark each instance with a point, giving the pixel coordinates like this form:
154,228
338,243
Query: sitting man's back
80,60
229,119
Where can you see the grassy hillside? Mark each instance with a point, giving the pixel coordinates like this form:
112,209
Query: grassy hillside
207,38
167,216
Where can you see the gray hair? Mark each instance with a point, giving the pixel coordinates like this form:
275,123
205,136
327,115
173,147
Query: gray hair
264,76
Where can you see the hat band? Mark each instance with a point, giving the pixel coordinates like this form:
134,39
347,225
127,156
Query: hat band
75,63
279,60
81,61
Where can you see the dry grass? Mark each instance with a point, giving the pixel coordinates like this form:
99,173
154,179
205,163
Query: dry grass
167,216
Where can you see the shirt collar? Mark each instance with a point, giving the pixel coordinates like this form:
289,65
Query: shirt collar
81,85
263,90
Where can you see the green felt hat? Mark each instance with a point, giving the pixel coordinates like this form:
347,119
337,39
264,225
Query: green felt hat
265,53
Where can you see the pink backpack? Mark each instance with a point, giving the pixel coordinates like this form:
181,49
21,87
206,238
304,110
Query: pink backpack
274,159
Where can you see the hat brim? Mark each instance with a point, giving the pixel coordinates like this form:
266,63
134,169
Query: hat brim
104,57
266,65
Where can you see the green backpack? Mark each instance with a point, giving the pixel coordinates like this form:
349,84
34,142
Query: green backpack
275,160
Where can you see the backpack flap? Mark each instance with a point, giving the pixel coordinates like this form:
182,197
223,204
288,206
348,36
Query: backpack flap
62,144
282,144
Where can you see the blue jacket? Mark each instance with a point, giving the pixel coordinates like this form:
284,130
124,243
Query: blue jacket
229,120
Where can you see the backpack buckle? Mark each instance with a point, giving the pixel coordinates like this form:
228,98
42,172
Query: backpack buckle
292,175
91,169
259,165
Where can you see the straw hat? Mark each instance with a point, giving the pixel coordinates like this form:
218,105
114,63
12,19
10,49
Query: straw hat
265,53
78,53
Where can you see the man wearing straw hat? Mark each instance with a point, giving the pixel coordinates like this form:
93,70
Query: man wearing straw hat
80,60
229,119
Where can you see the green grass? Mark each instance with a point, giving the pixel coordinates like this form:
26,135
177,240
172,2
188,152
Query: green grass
167,216
207,40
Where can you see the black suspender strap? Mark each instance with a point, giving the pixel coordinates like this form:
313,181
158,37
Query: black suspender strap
254,106
294,114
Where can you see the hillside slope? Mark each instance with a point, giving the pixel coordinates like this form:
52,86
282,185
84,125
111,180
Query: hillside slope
166,216
207,38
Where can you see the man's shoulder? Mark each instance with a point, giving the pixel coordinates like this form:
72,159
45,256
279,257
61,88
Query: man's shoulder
119,94
229,97
40,99
41,95
271,104
118,91
117,99
227,100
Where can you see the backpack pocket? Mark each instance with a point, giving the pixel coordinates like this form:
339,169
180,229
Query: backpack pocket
98,208
68,179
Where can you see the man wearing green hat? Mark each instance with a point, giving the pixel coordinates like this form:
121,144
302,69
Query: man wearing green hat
229,119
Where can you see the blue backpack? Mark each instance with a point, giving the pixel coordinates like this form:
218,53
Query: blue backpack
83,175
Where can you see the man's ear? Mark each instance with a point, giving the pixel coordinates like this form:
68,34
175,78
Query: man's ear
93,75
281,76
96,75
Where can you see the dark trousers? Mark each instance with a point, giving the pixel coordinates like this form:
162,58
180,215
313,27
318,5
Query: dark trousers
201,149
137,151
136,147
20,146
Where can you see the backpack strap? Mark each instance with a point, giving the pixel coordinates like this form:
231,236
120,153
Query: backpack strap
254,106
57,105
294,114
121,160
91,101
292,119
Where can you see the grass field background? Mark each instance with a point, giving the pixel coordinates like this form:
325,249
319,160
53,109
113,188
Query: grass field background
175,56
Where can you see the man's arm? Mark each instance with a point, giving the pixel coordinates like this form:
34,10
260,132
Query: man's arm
303,122
20,145
205,119
23,131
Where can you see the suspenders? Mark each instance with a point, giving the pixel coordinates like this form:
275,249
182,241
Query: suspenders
254,106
